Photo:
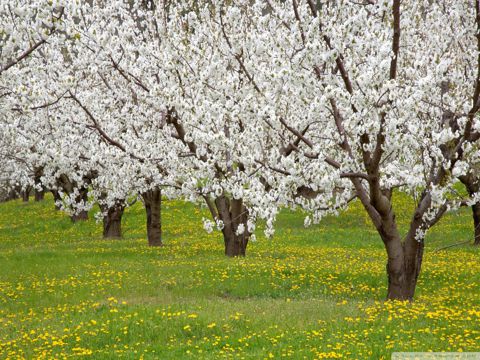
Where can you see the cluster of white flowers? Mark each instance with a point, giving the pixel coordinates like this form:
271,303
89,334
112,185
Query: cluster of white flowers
208,225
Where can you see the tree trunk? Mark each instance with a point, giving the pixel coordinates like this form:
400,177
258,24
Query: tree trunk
476,223
473,186
233,214
79,216
39,195
112,221
12,195
26,194
235,245
153,207
56,198
403,267
83,214
404,257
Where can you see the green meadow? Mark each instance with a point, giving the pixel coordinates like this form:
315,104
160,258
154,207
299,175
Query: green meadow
308,293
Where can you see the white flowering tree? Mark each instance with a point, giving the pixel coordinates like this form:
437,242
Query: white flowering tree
14,172
372,96
349,100
141,85
49,146
24,30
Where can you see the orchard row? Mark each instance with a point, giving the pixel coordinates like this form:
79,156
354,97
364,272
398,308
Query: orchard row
249,107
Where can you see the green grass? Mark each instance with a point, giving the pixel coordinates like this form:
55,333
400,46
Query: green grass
308,293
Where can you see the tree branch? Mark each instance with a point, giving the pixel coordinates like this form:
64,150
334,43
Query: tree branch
396,39
34,47
97,126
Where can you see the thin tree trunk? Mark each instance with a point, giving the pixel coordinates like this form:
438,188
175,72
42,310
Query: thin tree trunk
83,214
153,207
476,223
112,221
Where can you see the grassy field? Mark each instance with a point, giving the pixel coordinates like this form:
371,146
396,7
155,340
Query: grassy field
306,294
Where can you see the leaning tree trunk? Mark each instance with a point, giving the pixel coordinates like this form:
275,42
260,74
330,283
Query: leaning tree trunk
112,221
476,222
153,207
233,215
83,214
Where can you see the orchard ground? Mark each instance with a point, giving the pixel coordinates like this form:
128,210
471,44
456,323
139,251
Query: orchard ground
308,293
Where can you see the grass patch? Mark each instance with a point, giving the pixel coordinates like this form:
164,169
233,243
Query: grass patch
308,293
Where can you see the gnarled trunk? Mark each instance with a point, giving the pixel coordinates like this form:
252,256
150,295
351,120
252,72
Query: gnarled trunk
476,223
112,221
83,214
152,200
233,215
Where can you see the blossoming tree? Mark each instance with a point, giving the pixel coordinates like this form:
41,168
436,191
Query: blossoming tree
145,93
374,96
